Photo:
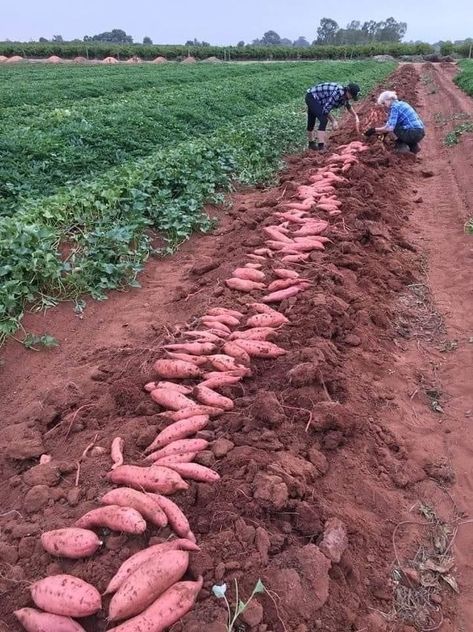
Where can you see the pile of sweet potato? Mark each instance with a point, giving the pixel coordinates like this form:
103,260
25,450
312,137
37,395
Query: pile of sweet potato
148,589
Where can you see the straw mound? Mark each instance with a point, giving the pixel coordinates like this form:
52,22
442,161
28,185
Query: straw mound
110,60
160,60
189,60
212,60
80,60
14,59
134,60
54,59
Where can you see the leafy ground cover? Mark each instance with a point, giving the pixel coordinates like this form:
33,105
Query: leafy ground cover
465,78
83,187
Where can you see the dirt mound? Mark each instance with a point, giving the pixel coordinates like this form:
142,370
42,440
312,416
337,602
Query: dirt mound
54,59
189,60
14,59
110,60
160,60
3,58
212,60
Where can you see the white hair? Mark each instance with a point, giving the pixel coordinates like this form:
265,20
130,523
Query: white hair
386,96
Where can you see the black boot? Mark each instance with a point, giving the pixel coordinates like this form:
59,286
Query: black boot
313,145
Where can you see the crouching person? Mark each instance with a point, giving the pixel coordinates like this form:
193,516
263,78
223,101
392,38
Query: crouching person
403,121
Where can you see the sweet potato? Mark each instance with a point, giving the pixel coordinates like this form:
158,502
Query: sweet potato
308,230
262,252
282,284
334,213
147,583
225,363
248,274
218,311
261,349
180,388
210,398
179,430
186,357
283,273
176,369
193,348
169,608
301,206
300,258
66,596
243,285
253,266
181,446
267,320
255,333
186,457
196,472
278,245
71,543
117,452
261,308
127,497
152,552
258,257
273,232
213,323
233,350
202,335
176,518
192,411
171,399
219,380
279,296
114,517
152,479
150,386
225,319
327,207
305,246
35,621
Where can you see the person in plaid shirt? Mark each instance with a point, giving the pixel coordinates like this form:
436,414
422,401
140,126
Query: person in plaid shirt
403,121
320,100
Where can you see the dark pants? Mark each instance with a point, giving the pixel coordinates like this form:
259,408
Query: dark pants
314,112
409,137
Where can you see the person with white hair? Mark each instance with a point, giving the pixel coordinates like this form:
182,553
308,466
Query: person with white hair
403,121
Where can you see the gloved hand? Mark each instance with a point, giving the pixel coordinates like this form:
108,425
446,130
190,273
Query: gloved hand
370,132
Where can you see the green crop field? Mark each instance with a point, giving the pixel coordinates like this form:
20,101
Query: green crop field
465,78
96,158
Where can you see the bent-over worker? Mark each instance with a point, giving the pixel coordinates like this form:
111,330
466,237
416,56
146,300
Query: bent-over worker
403,121
321,99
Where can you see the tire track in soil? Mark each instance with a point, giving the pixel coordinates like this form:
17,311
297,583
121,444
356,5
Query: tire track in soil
447,204
280,484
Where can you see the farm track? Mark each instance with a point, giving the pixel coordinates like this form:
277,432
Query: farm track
375,448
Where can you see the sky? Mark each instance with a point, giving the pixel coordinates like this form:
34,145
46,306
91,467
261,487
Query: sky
222,22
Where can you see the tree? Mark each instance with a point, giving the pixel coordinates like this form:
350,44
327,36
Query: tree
147,41
327,31
369,29
240,44
285,42
271,38
301,42
117,36
43,40
390,31
57,39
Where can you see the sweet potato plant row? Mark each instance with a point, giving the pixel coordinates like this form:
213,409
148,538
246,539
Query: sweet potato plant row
83,184
148,590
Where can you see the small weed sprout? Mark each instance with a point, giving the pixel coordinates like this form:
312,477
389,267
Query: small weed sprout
219,591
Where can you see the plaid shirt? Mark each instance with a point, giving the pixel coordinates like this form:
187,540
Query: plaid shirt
404,116
330,95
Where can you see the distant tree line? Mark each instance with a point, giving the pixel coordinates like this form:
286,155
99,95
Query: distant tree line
329,33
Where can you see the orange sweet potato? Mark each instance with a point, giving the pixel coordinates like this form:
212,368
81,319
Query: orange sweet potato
243,285
196,472
71,543
113,517
171,399
193,348
169,608
281,295
255,333
35,621
261,348
147,583
66,595
176,518
225,363
117,452
192,411
218,311
179,430
210,398
233,350
153,479
219,380
267,320
127,497
176,369
181,446
152,552
248,274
